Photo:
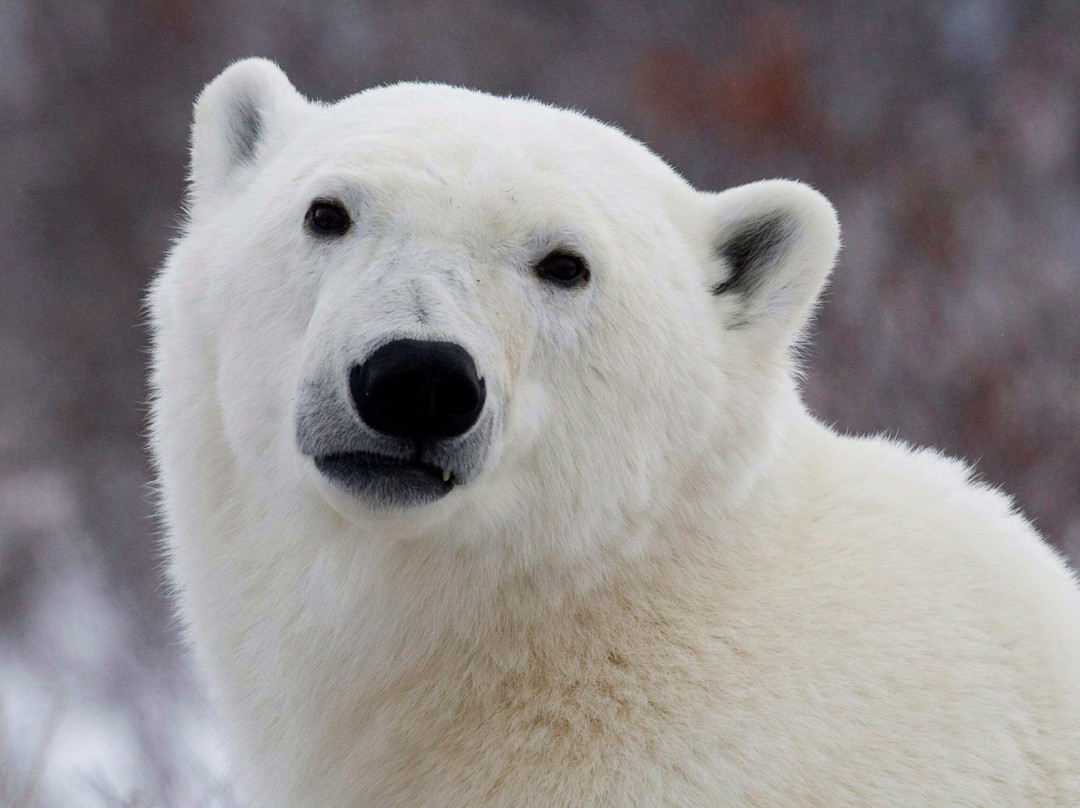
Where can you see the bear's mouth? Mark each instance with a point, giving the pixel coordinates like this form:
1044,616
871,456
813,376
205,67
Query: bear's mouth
387,479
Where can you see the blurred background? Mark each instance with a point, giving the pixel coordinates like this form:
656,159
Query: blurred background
946,134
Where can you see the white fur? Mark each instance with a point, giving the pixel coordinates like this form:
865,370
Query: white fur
669,586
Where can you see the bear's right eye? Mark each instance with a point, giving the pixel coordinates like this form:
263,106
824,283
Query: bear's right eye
327,217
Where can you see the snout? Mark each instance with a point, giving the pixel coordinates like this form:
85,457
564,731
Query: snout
407,424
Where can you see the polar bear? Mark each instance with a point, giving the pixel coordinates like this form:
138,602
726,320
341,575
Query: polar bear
487,483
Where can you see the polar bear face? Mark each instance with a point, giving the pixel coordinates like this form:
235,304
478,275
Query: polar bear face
436,312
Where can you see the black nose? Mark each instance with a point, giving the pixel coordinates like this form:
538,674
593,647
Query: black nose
415,389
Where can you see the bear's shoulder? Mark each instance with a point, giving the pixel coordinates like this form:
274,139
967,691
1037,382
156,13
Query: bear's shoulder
885,524
887,482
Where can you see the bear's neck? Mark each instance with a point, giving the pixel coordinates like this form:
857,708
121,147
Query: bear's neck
341,631
434,592
271,593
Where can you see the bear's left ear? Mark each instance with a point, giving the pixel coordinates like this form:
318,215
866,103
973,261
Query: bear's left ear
241,117
775,243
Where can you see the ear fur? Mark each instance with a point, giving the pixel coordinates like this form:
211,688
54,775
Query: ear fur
776,242
240,117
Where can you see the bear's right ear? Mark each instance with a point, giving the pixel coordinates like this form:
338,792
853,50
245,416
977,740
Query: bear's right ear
241,117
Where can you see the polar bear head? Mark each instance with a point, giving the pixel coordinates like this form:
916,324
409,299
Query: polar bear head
437,313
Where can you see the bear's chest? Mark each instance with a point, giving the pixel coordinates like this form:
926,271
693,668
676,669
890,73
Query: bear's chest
607,726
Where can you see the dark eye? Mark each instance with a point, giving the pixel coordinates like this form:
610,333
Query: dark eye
327,217
563,268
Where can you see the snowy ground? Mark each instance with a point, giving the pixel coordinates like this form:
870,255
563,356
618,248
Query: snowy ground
90,712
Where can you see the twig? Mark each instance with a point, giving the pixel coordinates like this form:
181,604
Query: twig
40,760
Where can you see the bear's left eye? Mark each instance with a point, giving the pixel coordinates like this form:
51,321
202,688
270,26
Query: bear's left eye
327,217
563,268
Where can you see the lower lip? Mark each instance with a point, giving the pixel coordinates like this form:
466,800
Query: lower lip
387,481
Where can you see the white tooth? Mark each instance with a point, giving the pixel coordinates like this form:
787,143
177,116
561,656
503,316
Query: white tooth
446,475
